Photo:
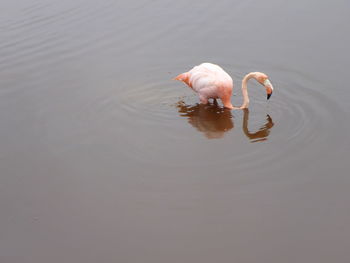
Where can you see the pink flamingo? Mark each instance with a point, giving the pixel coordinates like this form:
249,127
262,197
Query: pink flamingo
211,81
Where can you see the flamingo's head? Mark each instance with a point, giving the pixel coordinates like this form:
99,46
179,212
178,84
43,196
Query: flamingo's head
263,79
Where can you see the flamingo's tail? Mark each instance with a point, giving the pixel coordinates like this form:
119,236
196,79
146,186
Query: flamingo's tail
181,77
185,77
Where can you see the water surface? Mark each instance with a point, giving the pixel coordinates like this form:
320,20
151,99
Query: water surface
104,158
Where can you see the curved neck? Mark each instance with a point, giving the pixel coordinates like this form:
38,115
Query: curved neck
245,89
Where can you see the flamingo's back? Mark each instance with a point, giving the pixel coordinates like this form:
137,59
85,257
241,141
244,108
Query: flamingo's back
208,75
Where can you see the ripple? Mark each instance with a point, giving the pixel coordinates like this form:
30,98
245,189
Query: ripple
49,33
297,122
303,115
154,99
295,119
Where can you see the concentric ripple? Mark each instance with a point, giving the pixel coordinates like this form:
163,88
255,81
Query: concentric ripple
157,119
294,119
154,99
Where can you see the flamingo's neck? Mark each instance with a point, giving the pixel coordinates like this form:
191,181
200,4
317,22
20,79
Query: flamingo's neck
245,89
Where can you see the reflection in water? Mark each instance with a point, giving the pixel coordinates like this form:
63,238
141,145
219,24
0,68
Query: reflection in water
262,133
214,121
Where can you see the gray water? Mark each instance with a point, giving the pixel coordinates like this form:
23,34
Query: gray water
104,158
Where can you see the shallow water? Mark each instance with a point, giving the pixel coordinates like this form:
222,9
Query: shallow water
104,158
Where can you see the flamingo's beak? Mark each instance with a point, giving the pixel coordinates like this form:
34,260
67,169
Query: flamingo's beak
268,87
269,95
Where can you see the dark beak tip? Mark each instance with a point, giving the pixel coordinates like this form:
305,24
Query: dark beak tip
269,95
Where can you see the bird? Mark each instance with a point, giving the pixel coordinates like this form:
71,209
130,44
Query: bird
210,81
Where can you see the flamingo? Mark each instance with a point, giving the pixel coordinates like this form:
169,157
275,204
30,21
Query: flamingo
211,81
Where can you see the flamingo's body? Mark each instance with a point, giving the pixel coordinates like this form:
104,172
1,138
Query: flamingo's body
211,81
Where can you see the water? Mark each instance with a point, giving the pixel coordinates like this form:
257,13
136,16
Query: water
104,158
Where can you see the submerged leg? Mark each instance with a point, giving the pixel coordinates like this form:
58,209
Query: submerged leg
203,99
227,102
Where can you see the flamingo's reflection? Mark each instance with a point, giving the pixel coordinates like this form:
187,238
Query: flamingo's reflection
213,121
